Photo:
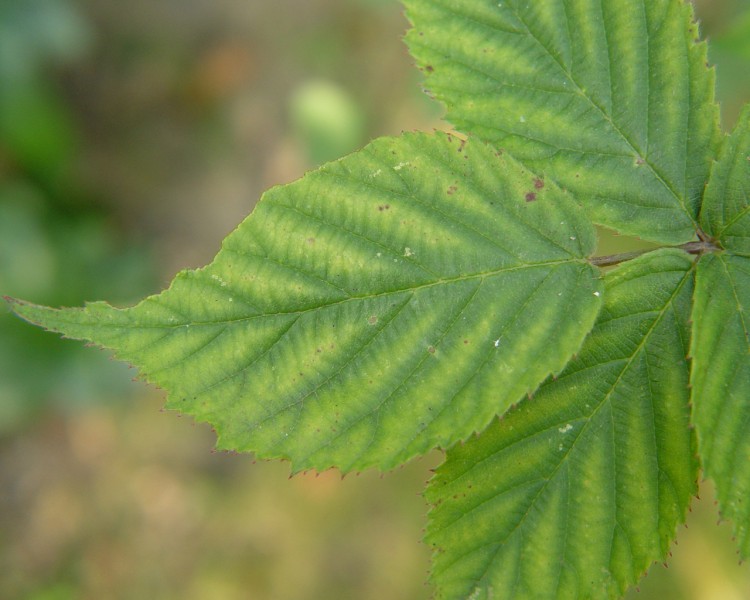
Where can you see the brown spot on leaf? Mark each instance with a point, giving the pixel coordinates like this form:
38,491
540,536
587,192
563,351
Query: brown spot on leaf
538,183
429,68
451,190
431,349
372,320
530,197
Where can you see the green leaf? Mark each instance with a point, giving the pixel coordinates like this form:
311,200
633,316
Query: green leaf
613,100
721,334
390,302
574,493
726,209
721,383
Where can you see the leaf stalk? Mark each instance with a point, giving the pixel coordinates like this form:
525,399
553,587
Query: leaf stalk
696,248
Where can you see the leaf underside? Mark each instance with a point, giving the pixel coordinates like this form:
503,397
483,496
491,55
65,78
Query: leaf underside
613,100
574,493
721,338
389,303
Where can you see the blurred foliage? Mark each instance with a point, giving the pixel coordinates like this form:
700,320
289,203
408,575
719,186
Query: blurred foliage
133,137
54,243
730,51
327,121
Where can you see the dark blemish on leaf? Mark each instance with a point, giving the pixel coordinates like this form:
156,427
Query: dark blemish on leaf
451,190
383,207
431,349
372,320
429,68
530,197
466,341
538,183
311,240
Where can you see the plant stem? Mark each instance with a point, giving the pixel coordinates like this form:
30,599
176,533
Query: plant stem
690,247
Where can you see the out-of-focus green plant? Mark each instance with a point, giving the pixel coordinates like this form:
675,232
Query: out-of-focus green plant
327,120
51,241
730,50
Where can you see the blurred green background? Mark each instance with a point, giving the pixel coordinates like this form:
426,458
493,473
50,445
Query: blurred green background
133,137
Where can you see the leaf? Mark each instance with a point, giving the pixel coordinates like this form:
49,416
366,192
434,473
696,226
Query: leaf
721,338
390,302
612,100
721,383
574,493
726,208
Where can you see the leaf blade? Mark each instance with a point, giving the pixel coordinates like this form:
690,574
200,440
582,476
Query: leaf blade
721,380
725,213
575,492
391,301
611,100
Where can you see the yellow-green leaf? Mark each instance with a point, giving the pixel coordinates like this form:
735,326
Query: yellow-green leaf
577,491
726,208
721,334
390,302
613,100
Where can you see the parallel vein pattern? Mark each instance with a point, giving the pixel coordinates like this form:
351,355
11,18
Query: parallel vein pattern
725,213
390,302
721,335
575,492
721,383
612,99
